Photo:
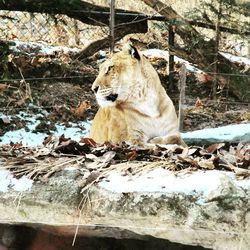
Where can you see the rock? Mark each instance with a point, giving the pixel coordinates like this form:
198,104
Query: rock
205,208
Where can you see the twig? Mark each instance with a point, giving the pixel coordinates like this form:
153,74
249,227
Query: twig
27,86
238,171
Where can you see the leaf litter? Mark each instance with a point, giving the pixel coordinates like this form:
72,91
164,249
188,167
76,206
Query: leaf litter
95,161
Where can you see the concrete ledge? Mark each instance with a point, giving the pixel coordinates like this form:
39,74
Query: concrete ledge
206,208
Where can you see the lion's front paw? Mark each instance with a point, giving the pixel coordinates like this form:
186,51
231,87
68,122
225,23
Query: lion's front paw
170,139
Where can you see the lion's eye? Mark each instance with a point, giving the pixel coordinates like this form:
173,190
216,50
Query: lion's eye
109,68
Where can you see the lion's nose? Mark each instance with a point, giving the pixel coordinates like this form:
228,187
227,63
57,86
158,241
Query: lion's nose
95,89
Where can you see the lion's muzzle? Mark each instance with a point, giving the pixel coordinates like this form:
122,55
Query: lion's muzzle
111,97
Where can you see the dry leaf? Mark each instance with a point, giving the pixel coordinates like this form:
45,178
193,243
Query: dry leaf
34,62
20,102
206,164
204,78
5,120
132,155
13,36
42,60
88,141
100,157
47,140
3,87
20,62
212,148
199,103
184,153
107,157
91,157
191,151
92,177
82,108
100,162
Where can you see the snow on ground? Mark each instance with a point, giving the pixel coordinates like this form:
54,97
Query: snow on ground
158,180
7,181
165,181
236,132
158,53
30,138
41,48
234,58
44,48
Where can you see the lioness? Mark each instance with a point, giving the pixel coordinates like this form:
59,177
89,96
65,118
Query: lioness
134,107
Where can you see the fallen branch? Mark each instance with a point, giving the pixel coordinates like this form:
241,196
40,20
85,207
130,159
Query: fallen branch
201,52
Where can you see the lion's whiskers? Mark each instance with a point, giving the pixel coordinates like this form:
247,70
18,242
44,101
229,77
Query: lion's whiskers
105,92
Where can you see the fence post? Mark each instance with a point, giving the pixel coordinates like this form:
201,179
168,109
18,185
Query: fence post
170,56
217,44
182,87
112,25
248,48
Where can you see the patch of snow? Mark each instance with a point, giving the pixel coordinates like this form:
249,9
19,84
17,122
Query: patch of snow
241,48
71,168
234,132
234,58
74,132
158,53
164,181
41,48
190,67
30,139
7,181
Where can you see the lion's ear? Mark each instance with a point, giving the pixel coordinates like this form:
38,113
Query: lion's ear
132,51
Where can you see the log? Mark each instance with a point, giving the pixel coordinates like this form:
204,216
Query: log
95,46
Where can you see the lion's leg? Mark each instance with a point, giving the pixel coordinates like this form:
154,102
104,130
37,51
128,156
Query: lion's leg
169,139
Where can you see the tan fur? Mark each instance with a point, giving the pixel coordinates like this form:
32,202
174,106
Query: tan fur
142,113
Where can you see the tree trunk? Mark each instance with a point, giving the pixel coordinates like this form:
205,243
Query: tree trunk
95,46
201,52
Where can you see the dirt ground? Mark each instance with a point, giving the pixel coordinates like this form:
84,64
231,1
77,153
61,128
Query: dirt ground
61,89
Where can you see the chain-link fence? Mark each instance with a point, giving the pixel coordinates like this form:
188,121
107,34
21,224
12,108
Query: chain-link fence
52,29
61,30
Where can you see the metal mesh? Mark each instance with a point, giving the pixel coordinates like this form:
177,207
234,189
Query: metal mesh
53,29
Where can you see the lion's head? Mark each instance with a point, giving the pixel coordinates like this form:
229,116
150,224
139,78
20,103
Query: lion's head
122,78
